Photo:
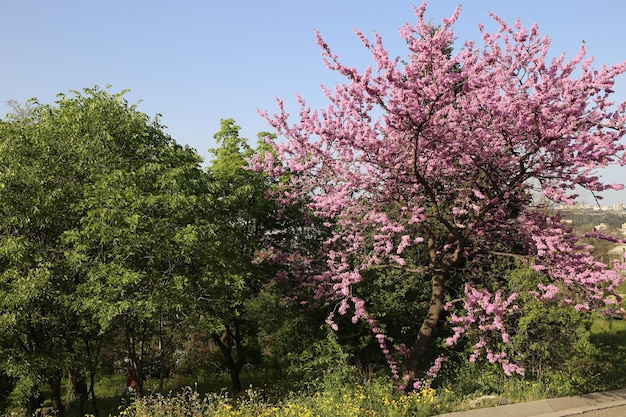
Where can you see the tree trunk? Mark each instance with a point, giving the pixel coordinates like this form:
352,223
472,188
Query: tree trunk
224,342
79,390
135,354
419,348
92,355
55,395
162,358
441,270
235,378
92,384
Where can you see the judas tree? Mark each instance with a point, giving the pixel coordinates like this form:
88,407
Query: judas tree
441,165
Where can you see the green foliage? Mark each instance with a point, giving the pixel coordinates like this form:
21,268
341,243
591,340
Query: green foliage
98,212
117,243
282,330
375,399
397,299
545,336
246,224
603,369
323,365
484,385
550,335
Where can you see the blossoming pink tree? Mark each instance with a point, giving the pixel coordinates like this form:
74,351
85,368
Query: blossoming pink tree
441,163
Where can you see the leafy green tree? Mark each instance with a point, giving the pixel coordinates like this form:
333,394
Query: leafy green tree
142,238
45,163
246,222
102,226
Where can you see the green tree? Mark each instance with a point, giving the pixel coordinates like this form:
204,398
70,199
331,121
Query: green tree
44,162
246,222
101,218
142,239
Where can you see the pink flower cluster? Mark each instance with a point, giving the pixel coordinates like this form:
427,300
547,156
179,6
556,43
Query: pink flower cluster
560,255
485,314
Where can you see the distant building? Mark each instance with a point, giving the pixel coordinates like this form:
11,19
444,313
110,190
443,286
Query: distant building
602,227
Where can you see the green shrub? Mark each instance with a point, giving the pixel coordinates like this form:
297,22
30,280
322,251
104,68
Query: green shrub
548,335
324,365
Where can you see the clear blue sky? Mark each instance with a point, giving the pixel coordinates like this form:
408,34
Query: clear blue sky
197,62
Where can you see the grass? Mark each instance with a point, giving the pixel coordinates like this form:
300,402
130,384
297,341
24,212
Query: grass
609,336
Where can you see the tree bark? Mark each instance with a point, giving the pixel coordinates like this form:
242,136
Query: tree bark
78,385
235,378
94,401
92,355
135,354
161,349
55,395
424,337
234,367
441,270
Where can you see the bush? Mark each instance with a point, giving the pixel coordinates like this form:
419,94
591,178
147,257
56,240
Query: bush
549,336
324,365
552,342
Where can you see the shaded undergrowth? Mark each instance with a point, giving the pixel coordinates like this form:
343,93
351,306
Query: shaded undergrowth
271,395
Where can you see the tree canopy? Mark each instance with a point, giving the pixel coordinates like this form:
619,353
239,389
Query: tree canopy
114,235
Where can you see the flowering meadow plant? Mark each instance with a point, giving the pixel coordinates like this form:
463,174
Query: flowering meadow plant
375,400
441,164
